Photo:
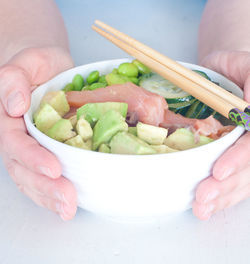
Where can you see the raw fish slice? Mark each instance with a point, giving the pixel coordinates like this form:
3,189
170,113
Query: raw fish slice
206,127
148,106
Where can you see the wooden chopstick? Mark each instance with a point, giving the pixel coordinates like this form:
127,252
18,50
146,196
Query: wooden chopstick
173,65
224,107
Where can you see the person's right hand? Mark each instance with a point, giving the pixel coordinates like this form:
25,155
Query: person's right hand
36,172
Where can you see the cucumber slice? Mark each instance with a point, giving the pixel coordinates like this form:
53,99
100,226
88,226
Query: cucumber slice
196,110
202,74
181,107
200,110
157,84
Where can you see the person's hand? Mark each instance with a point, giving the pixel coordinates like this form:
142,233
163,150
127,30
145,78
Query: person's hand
230,179
36,172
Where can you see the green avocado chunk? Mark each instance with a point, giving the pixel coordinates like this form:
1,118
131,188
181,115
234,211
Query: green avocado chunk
151,134
107,126
84,129
183,139
126,143
104,148
132,130
93,111
160,149
45,117
57,100
62,130
78,142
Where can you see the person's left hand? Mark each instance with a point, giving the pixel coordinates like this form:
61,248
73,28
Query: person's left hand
230,179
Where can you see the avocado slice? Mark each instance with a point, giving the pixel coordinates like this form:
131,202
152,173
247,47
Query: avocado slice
151,134
62,130
84,129
160,149
183,139
93,111
132,130
126,143
104,148
107,126
58,100
73,120
45,117
78,142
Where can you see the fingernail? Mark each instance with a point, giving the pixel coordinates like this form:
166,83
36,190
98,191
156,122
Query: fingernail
211,196
15,103
66,212
208,210
226,173
61,197
59,208
46,171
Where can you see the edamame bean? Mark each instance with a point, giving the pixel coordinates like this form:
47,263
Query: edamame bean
85,87
69,87
96,85
102,79
113,78
134,80
93,77
128,69
143,69
78,82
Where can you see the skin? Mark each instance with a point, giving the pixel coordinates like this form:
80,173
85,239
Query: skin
36,172
224,46
36,49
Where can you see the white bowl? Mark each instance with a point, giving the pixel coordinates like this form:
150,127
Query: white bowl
132,186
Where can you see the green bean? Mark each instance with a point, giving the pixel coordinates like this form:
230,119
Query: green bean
93,77
69,87
143,69
128,69
96,85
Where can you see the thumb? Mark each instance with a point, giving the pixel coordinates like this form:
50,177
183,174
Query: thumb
235,65
25,71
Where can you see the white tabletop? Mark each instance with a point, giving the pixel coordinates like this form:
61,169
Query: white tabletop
30,234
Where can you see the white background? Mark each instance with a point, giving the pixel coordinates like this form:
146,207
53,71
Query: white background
32,235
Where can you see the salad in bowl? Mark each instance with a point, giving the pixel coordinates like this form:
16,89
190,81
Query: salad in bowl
134,145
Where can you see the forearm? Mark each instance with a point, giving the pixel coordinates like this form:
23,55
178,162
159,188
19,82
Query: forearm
224,26
29,23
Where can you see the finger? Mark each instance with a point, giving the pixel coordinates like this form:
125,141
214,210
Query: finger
231,199
247,89
234,159
204,211
27,70
58,195
211,189
235,65
42,200
48,62
29,153
14,140
14,90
